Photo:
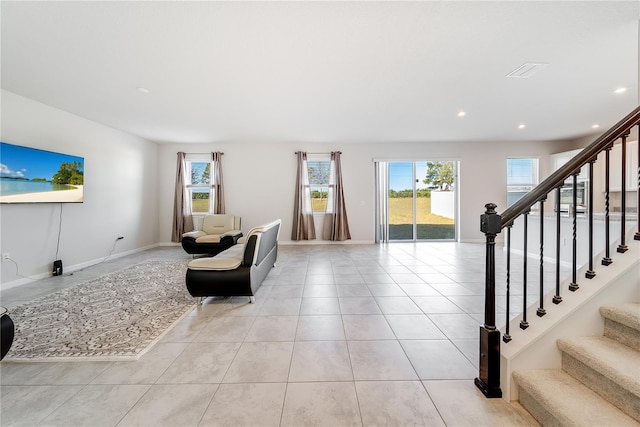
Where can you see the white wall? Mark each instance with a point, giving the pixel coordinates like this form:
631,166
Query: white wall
129,185
260,178
120,192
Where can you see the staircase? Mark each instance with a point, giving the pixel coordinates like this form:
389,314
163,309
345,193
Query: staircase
599,383
538,328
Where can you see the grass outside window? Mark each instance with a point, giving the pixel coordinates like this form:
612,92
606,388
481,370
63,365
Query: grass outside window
429,226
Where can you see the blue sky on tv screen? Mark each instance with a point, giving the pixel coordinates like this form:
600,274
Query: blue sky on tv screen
17,161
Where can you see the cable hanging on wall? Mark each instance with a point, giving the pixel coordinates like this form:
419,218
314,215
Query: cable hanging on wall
57,264
59,232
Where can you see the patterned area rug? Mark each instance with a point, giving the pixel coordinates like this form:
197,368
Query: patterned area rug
115,317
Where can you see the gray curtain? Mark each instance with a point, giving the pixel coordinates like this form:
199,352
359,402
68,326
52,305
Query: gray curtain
218,186
182,219
303,226
382,201
336,225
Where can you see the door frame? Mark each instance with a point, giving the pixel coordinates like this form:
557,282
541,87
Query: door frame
381,199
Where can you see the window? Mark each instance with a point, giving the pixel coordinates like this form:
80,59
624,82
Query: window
319,175
522,176
199,184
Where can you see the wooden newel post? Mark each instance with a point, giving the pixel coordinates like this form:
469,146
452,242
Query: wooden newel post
488,380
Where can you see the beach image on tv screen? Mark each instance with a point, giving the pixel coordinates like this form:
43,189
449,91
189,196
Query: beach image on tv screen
29,175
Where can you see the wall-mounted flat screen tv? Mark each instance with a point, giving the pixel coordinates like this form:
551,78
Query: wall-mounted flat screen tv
29,175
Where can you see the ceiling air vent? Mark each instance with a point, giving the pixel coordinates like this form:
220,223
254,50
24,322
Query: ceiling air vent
526,70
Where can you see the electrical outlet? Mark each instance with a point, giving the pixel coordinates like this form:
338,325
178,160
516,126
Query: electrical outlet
6,256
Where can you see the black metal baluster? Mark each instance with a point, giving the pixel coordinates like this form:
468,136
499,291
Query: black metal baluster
573,286
590,274
607,245
541,311
622,247
557,299
507,337
523,323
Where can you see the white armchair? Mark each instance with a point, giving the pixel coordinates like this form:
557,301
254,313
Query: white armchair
215,234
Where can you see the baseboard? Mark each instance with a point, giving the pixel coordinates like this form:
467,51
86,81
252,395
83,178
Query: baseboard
86,264
325,242
473,240
24,280
167,244
73,268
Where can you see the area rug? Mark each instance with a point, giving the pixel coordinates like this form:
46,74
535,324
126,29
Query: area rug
118,316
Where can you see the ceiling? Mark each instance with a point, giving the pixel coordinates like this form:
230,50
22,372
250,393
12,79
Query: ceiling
327,71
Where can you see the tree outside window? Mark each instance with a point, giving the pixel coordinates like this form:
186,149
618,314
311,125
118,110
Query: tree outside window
319,171
440,176
200,186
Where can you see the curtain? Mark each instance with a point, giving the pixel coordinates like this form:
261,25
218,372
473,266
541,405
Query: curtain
218,186
336,225
382,201
303,225
182,219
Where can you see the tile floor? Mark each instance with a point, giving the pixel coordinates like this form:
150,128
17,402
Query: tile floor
340,335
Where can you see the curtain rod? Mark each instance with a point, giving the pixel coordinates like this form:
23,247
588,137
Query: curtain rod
308,152
202,154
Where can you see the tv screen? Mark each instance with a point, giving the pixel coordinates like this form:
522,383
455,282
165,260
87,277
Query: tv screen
29,175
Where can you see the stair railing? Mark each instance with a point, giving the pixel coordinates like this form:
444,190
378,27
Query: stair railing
492,223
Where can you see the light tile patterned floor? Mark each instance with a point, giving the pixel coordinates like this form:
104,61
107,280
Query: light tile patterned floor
340,335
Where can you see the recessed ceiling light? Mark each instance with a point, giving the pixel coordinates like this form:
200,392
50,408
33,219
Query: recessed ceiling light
521,126
595,126
462,113
620,90
143,90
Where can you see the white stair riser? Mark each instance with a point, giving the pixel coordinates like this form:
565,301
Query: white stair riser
625,400
538,411
622,333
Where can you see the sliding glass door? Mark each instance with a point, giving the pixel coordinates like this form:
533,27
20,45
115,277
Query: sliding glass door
416,200
402,212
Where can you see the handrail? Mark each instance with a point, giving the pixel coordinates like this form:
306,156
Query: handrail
492,223
554,180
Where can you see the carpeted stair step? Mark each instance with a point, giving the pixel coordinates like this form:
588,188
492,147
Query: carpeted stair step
609,368
555,398
622,323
